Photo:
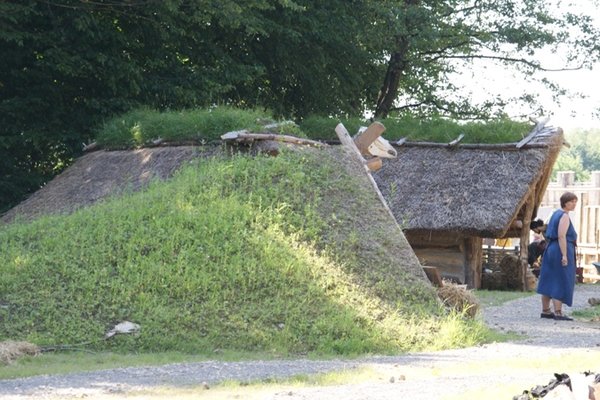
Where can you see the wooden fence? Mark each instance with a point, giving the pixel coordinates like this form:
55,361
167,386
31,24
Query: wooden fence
585,218
492,256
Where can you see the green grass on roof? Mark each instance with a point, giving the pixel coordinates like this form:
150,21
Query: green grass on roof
141,127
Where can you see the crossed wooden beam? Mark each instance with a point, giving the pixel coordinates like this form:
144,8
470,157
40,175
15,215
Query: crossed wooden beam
370,145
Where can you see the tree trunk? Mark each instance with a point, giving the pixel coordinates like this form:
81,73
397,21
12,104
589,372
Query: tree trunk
396,68
389,89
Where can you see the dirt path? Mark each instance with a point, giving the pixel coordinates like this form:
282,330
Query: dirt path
498,370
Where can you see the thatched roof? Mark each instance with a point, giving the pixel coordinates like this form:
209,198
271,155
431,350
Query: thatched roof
474,190
100,174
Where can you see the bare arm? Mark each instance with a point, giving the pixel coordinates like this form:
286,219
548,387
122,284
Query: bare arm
563,226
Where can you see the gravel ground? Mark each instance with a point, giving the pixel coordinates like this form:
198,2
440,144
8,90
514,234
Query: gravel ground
412,376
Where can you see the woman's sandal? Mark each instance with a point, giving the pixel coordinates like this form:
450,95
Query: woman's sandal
546,313
558,315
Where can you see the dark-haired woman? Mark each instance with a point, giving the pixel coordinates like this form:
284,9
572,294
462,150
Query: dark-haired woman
557,274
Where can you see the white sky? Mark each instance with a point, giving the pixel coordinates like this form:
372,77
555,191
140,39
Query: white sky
579,113
572,113
575,112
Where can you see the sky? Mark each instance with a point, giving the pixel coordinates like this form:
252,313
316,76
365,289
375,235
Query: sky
572,113
579,113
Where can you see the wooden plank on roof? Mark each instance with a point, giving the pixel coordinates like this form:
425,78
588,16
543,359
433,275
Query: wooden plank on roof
348,142
539,127
457,140
245,136
524,237
364,139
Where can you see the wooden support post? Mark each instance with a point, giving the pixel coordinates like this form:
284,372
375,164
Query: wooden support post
524,243
434,276
473,254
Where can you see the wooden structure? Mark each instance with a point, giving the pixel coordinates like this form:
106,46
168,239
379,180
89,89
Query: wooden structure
448,197
434,276
585,217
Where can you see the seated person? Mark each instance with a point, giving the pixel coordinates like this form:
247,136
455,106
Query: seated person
534,251
538,227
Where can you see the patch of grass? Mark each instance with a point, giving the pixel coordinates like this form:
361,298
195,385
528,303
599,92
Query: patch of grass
140,127
589,314
70,361
416,129
240,253
491,298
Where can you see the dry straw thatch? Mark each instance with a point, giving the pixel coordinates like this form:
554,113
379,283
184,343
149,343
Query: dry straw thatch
471,189
459,298
12,350
101,174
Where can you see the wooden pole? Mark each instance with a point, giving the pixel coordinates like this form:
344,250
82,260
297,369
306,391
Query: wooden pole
245,136
524,243
347,141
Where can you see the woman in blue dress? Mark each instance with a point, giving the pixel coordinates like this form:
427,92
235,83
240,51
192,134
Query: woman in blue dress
557,274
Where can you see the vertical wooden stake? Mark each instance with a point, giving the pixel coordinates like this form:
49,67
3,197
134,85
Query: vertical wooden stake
524,243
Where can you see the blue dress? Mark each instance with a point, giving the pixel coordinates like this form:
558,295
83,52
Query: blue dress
556,281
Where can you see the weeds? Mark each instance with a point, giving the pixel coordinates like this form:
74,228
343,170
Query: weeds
143,126
417,129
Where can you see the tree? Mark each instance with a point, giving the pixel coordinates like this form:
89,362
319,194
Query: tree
586,144
68,65
583,156
428,40
571,161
